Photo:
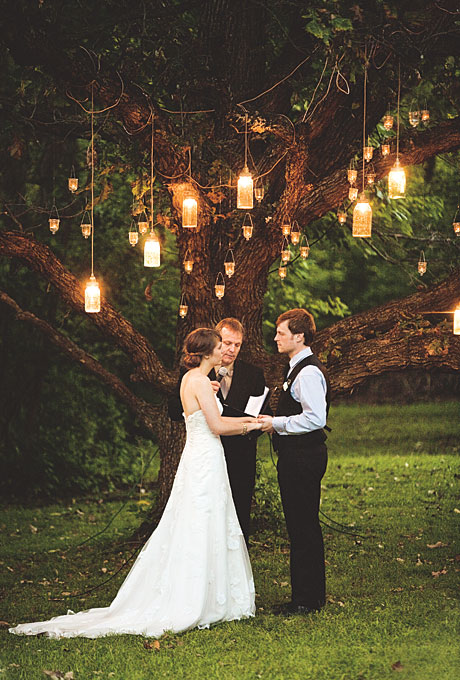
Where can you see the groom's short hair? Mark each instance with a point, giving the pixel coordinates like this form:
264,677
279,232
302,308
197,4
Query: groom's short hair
299,321
232,324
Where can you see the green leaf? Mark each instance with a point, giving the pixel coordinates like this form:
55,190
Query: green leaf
315,29
342,24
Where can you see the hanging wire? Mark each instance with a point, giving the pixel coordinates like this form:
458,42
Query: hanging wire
364,109
92,178
245,140
246,101
397,121
107,108
151,171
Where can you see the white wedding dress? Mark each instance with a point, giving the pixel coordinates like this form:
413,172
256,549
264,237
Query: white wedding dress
193,571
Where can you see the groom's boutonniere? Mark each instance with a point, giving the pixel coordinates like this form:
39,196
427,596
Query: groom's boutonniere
285,385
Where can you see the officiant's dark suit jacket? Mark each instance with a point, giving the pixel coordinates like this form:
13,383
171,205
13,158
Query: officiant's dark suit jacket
240,451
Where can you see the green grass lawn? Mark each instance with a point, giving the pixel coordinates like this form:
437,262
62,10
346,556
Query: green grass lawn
392,591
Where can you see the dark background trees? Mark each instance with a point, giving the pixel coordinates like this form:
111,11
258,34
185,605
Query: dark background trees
298,73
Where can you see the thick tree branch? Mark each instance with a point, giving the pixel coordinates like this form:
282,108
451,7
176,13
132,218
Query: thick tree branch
146,414
42,260
399,334
414,149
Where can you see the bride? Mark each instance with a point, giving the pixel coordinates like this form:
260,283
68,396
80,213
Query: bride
194,570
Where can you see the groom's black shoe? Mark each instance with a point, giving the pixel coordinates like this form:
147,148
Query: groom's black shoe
291,609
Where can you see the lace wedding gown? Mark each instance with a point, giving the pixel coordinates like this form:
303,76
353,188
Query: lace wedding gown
193,571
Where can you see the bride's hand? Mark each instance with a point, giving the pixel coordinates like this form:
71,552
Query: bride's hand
215,386
253,425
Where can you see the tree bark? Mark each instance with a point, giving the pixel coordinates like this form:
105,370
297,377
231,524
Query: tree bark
306,162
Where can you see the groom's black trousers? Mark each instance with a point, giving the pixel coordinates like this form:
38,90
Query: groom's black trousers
299,476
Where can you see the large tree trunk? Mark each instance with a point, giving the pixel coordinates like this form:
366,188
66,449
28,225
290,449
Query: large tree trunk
305,160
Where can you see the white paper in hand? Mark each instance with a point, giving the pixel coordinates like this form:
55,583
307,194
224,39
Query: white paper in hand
255,404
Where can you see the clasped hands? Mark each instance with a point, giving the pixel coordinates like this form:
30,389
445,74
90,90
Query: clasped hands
263,423
266,423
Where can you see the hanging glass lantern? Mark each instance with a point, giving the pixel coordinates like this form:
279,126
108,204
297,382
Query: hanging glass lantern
143,223
188,263
229,268
414,118
456,328
92,296
219,288
370,176
53,219
189,211
282,272
353,193
133,234
259,190
85,225
388,121
295,233
352,175
304,248
425,115
455,223
245,191
247,227
229,263
73,181
396,181
385,149
183,308
285,252
151,251
421,265
362,218
368,152
286,228
342,216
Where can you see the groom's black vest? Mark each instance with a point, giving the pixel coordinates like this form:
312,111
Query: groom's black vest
288,406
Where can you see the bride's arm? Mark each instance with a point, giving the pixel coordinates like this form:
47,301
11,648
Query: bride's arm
217,423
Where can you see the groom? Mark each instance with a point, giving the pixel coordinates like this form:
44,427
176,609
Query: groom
241,381
299,439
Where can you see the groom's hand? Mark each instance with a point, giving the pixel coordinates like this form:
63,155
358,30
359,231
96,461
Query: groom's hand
266,422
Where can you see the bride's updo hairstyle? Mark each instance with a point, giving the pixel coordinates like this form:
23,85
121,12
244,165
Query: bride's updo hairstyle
197,344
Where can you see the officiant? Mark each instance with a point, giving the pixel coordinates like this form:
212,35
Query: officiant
240,381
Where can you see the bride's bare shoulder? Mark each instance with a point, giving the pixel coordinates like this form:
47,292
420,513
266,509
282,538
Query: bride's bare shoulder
195,377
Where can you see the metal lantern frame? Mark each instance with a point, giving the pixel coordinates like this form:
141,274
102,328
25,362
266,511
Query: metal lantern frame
219,286
229,263
183,307
85,225
247,226
188,262
133,234
72,181
295,233
54,220
421,264
285,251
259,190
304,247
353,193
